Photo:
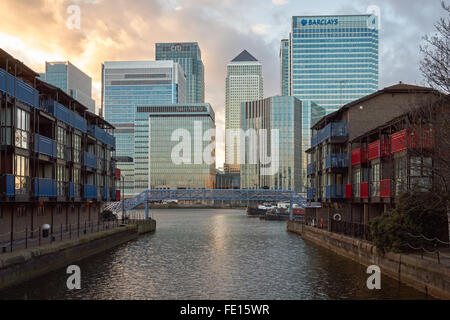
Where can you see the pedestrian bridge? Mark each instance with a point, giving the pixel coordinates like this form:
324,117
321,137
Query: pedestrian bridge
144,197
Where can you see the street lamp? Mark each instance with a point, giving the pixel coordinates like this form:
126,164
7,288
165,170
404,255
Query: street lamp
123,198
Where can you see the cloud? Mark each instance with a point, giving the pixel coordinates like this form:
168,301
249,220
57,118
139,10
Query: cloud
279,2
260,29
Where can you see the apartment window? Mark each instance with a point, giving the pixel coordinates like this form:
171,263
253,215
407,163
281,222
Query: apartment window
375,180
21,172
420,171
76,145
22,129
76,179
356,180
61,177
400,174
61,142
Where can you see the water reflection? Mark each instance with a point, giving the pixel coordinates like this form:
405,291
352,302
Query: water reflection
215,254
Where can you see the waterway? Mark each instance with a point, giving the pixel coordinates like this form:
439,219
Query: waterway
214,254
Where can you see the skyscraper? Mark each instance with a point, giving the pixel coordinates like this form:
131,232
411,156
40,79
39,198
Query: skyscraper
284,67
333,59
244,82
189,56
71,80
127,85
156,140
282,156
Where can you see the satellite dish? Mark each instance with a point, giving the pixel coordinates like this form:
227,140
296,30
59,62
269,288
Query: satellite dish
337,217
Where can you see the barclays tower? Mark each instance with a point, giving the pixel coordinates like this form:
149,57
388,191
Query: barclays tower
333,59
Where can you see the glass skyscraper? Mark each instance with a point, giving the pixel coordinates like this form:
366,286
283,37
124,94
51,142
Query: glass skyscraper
71,80
154,147
333,59
282,113
127,85
244,82
189,56
284,67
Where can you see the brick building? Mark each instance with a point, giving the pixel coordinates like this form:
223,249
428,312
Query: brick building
359,158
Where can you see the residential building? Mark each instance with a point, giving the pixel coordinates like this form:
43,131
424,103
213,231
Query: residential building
244,82
359,158
279,119
56,158
128,84
333,59
71,80
189,56
159,129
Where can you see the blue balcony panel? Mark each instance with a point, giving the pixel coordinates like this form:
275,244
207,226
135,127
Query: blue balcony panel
63,114
44,187
311,168
333,129
336,160
335,191
44,145
90,191
18,89
102,135
89,160
310,194
71,190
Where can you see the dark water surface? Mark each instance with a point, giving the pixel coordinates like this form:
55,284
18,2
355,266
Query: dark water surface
214,254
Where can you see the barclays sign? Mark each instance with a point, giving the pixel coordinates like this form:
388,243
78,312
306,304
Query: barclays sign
315,22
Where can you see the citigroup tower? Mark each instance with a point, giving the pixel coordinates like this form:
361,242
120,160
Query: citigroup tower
333,59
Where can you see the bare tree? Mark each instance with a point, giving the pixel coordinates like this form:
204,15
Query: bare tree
435,65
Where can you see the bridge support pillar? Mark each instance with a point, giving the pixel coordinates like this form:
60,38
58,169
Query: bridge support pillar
291,211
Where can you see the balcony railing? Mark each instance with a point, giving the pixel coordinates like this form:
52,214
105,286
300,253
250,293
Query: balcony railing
385,188
311,168
105,193
310,194
18,89
333,129
359,156
335,191
377,149
112,194
44,187
348,191
44,145
89,160
90,191
63,114
7,185
102,135
336,160
71,190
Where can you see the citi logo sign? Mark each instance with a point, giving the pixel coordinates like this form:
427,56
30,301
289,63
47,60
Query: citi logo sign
313,22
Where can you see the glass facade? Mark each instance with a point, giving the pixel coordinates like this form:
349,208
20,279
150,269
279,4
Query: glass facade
129,84
244,82
284,67
334,59
189,56
154,144
281,113
71,80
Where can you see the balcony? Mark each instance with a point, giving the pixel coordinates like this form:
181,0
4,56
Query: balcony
378,149
336,160
359,156
117,174
311,168
310,194
117,195
63,114
44,187
44,145
112,194
89,160
385,188
90,191
71,190
7,185
18,89
364,190
105,193
102,135
331,130
348,191
335,191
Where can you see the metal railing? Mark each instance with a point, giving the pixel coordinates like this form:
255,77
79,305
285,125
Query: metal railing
28,238
431,247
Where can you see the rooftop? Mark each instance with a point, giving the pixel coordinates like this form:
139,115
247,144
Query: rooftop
244,56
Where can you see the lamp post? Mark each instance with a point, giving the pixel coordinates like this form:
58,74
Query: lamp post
123,198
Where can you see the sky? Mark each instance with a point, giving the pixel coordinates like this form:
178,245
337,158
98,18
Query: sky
35,31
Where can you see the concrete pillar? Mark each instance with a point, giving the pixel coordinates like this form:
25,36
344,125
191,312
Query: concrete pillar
366,214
